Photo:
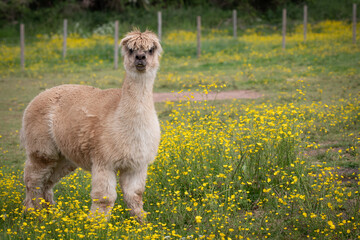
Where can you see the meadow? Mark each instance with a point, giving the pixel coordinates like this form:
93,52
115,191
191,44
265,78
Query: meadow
283,166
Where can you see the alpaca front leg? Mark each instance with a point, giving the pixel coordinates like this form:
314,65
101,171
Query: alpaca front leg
103,192
132,182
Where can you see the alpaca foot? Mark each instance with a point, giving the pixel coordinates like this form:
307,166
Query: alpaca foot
49,197
140,216
97,216
37,204
100,211
29,205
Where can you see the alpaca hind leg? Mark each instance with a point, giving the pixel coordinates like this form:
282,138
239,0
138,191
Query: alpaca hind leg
38,169
62,168
132,182
103,192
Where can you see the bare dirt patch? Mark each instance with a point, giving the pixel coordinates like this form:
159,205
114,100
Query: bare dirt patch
196,96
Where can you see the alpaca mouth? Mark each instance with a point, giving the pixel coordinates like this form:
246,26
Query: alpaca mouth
140,67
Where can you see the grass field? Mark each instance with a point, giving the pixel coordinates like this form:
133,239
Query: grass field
284,166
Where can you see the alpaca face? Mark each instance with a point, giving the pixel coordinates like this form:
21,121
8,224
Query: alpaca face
141,52
140,59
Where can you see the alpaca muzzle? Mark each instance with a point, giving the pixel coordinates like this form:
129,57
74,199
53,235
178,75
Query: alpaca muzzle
140,65
140,61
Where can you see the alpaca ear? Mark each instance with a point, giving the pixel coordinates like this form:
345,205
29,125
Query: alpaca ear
123,45
158,48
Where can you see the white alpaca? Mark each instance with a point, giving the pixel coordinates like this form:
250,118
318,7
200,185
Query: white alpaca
102,131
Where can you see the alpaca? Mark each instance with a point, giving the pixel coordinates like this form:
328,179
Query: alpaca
101,131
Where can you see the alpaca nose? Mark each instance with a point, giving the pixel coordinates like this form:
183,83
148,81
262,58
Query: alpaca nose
140,56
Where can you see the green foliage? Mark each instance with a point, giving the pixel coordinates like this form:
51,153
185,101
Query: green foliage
14,9
88,16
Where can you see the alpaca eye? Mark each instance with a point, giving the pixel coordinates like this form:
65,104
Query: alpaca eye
131,51
151,50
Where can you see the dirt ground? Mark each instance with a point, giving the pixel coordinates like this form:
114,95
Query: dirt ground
196,96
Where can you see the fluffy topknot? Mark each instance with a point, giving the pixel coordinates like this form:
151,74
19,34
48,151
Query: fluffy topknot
137,40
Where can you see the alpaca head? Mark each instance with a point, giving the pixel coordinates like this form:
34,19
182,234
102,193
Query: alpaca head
141,51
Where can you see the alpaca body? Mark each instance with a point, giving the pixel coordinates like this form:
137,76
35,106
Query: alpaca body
102,131
82,124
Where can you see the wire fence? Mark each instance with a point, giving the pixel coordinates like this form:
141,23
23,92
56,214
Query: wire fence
61,44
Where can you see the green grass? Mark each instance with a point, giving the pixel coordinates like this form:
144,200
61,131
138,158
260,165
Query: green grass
282,166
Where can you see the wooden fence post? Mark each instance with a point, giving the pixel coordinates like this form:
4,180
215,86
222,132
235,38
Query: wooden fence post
305,21
64,39
354,23
198,36
22,46
235,23
116,45
159,25
283,27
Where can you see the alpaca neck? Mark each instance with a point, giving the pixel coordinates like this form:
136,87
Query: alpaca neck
137,91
